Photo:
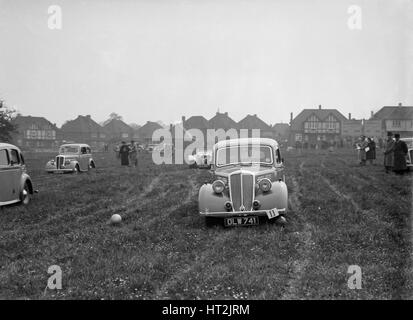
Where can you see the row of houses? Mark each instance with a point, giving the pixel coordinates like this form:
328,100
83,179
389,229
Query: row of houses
39,133
311,126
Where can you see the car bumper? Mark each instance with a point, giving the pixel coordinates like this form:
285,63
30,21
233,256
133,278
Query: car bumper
60,170
227,214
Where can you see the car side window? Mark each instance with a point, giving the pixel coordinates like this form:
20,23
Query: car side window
4,158
278,156
14,155
21,158
88,151
83,150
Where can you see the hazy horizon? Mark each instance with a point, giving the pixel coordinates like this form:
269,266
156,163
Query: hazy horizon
161,60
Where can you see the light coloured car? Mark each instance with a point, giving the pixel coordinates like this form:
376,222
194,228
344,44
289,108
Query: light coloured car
409,160
74,157
15,184
202,159
248,184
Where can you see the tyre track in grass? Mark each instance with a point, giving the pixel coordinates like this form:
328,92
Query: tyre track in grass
131,196
379,187
191,193
333,188
206,240
299,266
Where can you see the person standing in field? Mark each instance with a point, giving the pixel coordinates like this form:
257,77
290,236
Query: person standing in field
133,154
361,146
124,154
388,153
400,152
371,153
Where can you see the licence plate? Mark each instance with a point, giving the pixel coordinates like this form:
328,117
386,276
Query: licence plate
273,213
241,221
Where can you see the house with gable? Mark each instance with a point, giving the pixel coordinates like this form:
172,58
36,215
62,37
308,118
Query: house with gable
316,127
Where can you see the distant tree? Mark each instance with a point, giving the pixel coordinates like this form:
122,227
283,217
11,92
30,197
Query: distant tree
112,116
134,126
6,125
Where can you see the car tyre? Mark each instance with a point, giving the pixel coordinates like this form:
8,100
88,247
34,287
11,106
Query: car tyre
25,194
77,169
92,165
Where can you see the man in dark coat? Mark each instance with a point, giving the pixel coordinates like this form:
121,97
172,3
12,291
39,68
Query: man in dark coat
388,152
371,153
124,154
400,152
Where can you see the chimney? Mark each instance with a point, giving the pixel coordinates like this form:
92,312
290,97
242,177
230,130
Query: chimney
291,117
226,114
88,116
255,115
400,104
183,121
371,114
170,128
319,107
349,116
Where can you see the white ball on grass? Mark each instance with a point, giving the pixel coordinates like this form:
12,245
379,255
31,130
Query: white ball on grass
115,219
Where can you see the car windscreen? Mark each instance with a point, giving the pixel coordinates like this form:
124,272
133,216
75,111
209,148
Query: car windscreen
69,150
248,154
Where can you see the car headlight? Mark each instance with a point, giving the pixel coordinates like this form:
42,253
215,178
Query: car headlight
67,162
265,185
269,176
51,162
223,179
218,186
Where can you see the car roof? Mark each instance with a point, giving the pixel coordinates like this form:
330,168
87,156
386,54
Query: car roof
75,145
246,141
8,146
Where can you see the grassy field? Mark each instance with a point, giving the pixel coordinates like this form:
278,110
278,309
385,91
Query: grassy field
340,215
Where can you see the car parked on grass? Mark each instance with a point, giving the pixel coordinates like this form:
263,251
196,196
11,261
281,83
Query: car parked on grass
248,183
74,157
15,184
409,160
201,159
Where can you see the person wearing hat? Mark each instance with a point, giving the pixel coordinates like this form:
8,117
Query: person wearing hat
400,152
133,154
124,154
388,152
362,146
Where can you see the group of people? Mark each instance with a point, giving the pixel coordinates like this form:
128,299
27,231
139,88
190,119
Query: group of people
127,153
395,153
367,150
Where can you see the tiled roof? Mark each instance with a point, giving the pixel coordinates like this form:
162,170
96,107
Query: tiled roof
146,131
222,121
198,122
82,124
394,113
253,122
26,121
116,125
321,114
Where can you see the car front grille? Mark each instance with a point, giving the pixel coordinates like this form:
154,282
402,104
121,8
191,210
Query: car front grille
242,191
59,162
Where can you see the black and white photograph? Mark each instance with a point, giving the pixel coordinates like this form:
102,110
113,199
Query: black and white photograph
218,152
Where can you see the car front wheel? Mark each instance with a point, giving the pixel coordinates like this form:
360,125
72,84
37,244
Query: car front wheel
77,169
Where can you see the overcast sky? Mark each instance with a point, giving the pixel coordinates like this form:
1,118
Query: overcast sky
159,60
